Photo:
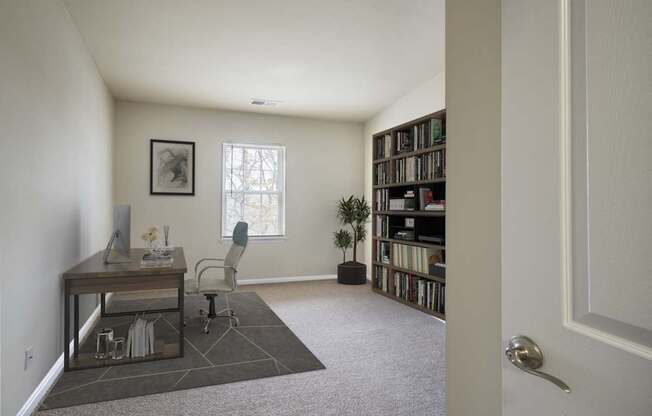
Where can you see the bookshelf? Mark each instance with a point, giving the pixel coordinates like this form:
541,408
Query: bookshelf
409,213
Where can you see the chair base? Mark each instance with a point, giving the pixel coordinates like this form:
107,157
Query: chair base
210,315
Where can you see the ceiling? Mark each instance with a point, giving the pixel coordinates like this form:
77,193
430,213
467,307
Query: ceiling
336,59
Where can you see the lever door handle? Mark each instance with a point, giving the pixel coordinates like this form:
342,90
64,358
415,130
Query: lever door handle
526,355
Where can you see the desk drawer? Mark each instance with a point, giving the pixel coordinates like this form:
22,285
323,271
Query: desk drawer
124,284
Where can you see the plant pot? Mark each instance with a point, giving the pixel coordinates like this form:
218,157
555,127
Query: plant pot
352,273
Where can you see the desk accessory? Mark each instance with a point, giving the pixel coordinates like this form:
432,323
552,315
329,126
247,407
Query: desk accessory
118,348
103,345
166,234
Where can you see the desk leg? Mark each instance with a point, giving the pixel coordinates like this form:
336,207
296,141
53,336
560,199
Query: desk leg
181,314
102,304
66,328
76,329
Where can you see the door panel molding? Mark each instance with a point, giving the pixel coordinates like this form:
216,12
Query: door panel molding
575,271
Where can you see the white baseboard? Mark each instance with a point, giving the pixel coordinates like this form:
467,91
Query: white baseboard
268,280
44,387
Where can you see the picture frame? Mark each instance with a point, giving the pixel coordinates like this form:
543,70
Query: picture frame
171,167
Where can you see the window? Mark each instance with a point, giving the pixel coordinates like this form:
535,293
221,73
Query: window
253,189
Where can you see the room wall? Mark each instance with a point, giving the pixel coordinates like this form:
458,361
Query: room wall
473,217
323,164
56,190
423,100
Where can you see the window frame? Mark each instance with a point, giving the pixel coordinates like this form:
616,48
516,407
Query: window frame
283,171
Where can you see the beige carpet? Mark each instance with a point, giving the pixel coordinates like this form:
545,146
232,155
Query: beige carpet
381,358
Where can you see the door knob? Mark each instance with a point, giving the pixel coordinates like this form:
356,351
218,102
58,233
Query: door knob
526,355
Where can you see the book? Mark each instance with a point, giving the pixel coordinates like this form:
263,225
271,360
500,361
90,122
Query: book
404,235
151,261
435,239
383,146
382,200
382,226
425,197
439,205
435,129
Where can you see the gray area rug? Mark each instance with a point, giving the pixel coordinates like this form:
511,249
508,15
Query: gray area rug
261,346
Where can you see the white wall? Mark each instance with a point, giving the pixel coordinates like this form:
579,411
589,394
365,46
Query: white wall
323,165
56,118
423,100
473,101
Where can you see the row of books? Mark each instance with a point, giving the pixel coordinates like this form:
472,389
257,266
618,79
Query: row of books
382,251
419,259
382,173
382,200
383,146
424,292
418,168
431,295
420,136
380,278
382,226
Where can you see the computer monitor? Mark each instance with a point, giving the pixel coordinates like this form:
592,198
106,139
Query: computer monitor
117,251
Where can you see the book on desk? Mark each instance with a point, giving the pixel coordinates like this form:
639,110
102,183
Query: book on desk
156,261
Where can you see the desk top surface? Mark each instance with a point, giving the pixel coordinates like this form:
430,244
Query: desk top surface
94,266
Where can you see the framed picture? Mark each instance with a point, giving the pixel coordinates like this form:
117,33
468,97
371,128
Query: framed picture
171,167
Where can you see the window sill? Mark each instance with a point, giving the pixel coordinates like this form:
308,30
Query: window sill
261,238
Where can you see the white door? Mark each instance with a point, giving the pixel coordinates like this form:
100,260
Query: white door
577,204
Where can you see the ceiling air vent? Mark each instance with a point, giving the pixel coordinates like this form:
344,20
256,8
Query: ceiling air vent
265,102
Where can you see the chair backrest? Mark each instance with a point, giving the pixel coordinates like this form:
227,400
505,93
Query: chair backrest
240,239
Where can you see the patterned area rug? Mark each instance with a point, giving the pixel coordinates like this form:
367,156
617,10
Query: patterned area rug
261,346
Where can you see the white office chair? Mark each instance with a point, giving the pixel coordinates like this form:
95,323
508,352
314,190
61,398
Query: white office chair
211,284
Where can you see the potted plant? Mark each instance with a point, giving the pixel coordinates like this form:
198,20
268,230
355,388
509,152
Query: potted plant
352,212
343,241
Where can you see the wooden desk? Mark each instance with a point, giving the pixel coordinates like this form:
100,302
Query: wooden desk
94,276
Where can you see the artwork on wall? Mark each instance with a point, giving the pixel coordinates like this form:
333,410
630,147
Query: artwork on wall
171,167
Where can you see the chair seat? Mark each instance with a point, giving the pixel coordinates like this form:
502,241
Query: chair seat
208,285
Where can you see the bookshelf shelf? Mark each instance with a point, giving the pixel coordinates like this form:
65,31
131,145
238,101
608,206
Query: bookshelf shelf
402,156
415,213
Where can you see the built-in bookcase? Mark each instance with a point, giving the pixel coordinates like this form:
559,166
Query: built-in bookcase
409,213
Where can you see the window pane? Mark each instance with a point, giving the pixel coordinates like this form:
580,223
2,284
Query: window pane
253,189
232,211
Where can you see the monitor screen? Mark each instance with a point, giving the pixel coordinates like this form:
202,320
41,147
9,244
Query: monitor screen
122,227
117,251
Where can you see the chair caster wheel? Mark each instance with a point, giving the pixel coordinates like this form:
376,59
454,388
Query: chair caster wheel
207,332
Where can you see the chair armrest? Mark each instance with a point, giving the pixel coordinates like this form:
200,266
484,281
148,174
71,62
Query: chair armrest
201,272
203,260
